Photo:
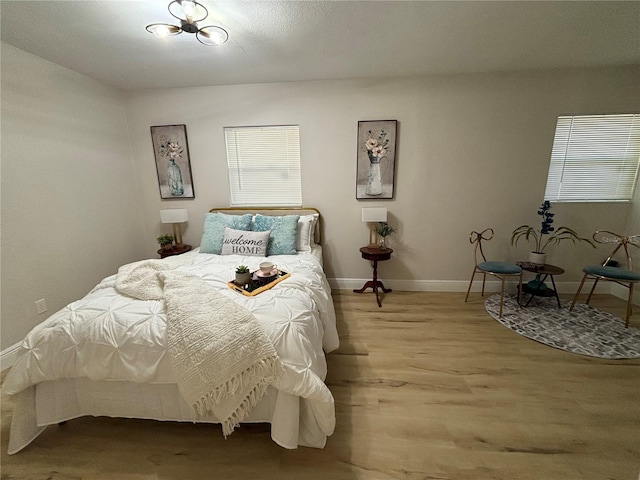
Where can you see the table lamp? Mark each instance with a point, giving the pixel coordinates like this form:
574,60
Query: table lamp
176,216
372,216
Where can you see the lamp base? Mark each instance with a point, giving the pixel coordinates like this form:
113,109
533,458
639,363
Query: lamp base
373,236
177,235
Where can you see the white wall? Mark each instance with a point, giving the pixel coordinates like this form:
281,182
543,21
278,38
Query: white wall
70,203
473,152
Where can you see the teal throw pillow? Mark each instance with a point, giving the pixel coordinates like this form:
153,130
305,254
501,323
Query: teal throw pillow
282,240
214,224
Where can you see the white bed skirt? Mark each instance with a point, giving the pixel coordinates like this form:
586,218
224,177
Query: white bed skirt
53,402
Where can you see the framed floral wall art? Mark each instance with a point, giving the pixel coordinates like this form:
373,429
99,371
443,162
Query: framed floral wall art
376,159
173,165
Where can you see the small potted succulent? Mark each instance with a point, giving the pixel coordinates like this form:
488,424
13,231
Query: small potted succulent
165,241
383,229
243,275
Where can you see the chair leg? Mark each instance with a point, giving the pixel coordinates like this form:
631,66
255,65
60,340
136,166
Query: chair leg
629,306
575,298
501,296
484,278
470,282
592,290
520,290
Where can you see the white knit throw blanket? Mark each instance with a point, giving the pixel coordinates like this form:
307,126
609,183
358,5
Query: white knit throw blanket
141,280
223,359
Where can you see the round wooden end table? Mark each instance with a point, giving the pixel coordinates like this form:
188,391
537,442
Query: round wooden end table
375,255
542,272
174,251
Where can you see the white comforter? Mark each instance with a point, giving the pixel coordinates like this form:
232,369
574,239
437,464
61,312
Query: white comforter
109,336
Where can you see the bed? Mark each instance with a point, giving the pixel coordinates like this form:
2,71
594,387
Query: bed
113,354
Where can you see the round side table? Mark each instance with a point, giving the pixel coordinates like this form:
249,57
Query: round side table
174,251
543,271
375,255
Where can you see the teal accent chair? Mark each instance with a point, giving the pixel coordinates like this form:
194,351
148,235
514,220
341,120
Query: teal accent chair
500,270
625,277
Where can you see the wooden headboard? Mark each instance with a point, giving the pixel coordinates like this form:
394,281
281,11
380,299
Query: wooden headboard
274,211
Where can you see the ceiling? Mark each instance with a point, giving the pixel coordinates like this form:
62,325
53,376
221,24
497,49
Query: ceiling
275,41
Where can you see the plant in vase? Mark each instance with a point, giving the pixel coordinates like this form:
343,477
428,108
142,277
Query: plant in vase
165,241
545,237
383,229
243,275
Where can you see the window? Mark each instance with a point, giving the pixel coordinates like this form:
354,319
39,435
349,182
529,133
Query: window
264,165
595,158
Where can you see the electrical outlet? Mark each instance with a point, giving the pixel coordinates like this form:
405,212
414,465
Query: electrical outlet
41,306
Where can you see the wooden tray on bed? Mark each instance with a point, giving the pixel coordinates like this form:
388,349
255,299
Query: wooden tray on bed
258,286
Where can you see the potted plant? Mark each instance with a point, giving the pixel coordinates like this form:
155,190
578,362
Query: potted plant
546,236
165,241
383,229
243,275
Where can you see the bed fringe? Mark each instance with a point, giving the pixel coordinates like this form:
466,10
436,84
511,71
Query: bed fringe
268,369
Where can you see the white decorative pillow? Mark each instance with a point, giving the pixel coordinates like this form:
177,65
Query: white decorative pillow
306,232
242,242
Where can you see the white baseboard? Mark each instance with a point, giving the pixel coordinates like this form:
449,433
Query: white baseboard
442,285
8,356
569,288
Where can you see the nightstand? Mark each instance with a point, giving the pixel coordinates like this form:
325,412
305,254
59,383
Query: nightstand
174,251
376,255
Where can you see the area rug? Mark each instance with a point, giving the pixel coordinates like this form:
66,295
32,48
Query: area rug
585,330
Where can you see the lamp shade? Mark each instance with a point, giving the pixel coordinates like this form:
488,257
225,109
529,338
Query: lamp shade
174,215
378,214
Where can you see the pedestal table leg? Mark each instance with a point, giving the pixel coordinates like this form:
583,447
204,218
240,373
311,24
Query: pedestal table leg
374,284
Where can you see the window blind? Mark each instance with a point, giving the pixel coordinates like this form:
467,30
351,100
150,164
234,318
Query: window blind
264,165
595,158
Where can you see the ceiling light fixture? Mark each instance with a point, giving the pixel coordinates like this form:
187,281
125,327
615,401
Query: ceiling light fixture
190,13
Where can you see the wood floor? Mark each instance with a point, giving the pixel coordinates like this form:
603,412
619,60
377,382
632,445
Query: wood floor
426,387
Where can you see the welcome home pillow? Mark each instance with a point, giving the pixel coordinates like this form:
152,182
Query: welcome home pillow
241,242
282,240
214,225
